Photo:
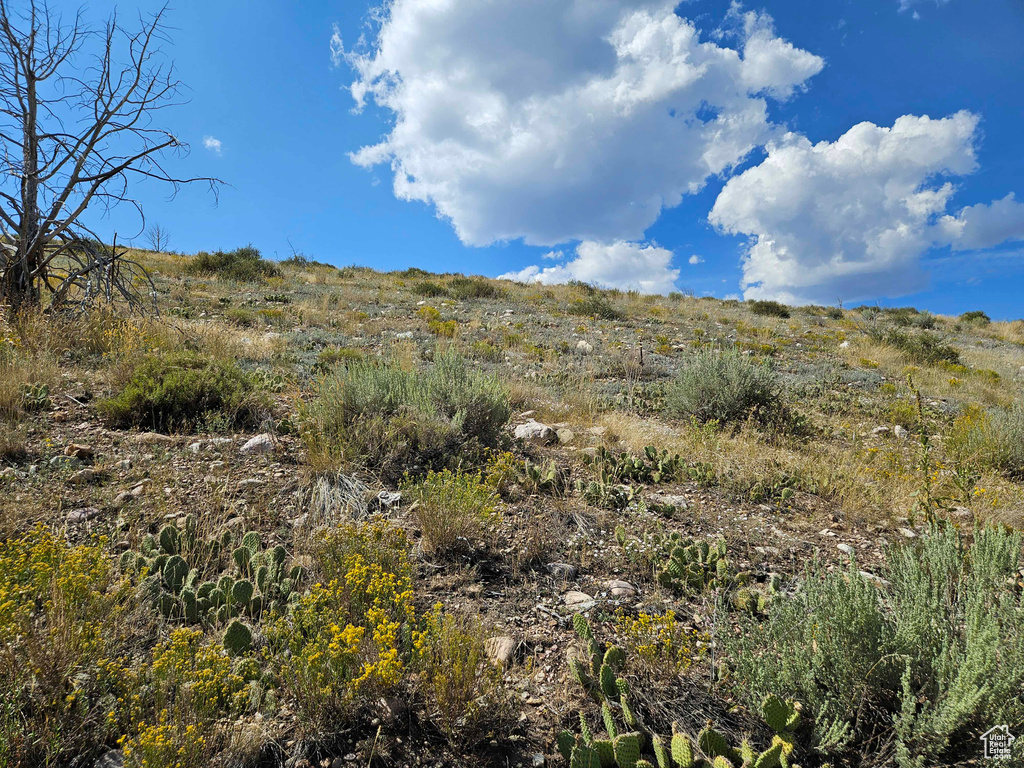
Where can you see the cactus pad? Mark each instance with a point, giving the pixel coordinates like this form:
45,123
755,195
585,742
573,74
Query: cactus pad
237,638
682,750
627,750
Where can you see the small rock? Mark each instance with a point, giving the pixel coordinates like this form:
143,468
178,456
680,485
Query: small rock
907,533
83,452
153,438
579,601
9,474
583,347
598,431
535,432
900,432
82,477
500,649
69,462
565,435
124,464
527,414
880,431
846,549
195,447
403,335
82,514
260,444
562,570
112,758
245,485
672,499
122,499
538,760
621,589
845,345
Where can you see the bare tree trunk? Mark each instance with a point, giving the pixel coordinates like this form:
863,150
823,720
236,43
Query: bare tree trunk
71,136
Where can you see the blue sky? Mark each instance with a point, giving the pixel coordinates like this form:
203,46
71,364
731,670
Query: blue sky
613,141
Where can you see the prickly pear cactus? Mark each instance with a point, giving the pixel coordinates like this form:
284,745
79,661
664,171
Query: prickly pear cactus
682,750
627,749
781,715
582,627
237,638
713,744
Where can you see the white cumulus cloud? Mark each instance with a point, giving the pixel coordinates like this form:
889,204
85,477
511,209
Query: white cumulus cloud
628,266
563,120
212,144
985,226
851,218
695,259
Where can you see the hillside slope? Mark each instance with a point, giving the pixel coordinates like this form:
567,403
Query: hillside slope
229,529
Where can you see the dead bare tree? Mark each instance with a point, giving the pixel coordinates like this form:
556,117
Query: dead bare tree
77,109
158,238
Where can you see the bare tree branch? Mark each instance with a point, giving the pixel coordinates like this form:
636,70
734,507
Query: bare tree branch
77,107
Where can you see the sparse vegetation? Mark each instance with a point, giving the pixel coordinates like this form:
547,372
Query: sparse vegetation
281,604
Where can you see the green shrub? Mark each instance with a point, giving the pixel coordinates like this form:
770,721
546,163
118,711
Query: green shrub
303,262
244,265
414,272
379,415
769,308
724,386
430,289
993,439
922,348
906,317
594,305
474,288
332,356
182,391
452,508
975,316
927,662
241,316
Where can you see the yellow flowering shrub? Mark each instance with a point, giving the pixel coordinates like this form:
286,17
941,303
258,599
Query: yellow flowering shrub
195,677
452,508
166,744
60,619
344,636
660,642
453,677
